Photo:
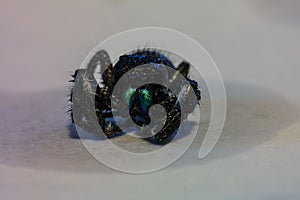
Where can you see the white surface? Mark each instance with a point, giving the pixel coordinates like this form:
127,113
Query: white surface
254,43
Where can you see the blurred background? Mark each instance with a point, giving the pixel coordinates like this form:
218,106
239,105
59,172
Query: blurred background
255,44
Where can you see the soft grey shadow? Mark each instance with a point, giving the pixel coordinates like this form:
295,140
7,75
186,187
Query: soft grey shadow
34,131
254,116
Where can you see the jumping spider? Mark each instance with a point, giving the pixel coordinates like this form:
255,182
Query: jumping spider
138,100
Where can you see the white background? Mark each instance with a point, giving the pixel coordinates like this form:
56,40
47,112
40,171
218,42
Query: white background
256,46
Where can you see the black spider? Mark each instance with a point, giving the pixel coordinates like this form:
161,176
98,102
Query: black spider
138,100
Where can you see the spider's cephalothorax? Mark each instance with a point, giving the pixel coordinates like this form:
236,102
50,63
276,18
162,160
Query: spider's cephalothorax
138,99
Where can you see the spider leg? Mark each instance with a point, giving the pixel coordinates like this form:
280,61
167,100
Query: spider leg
83,103
168,132
188,90
103,98
104,112
183,68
